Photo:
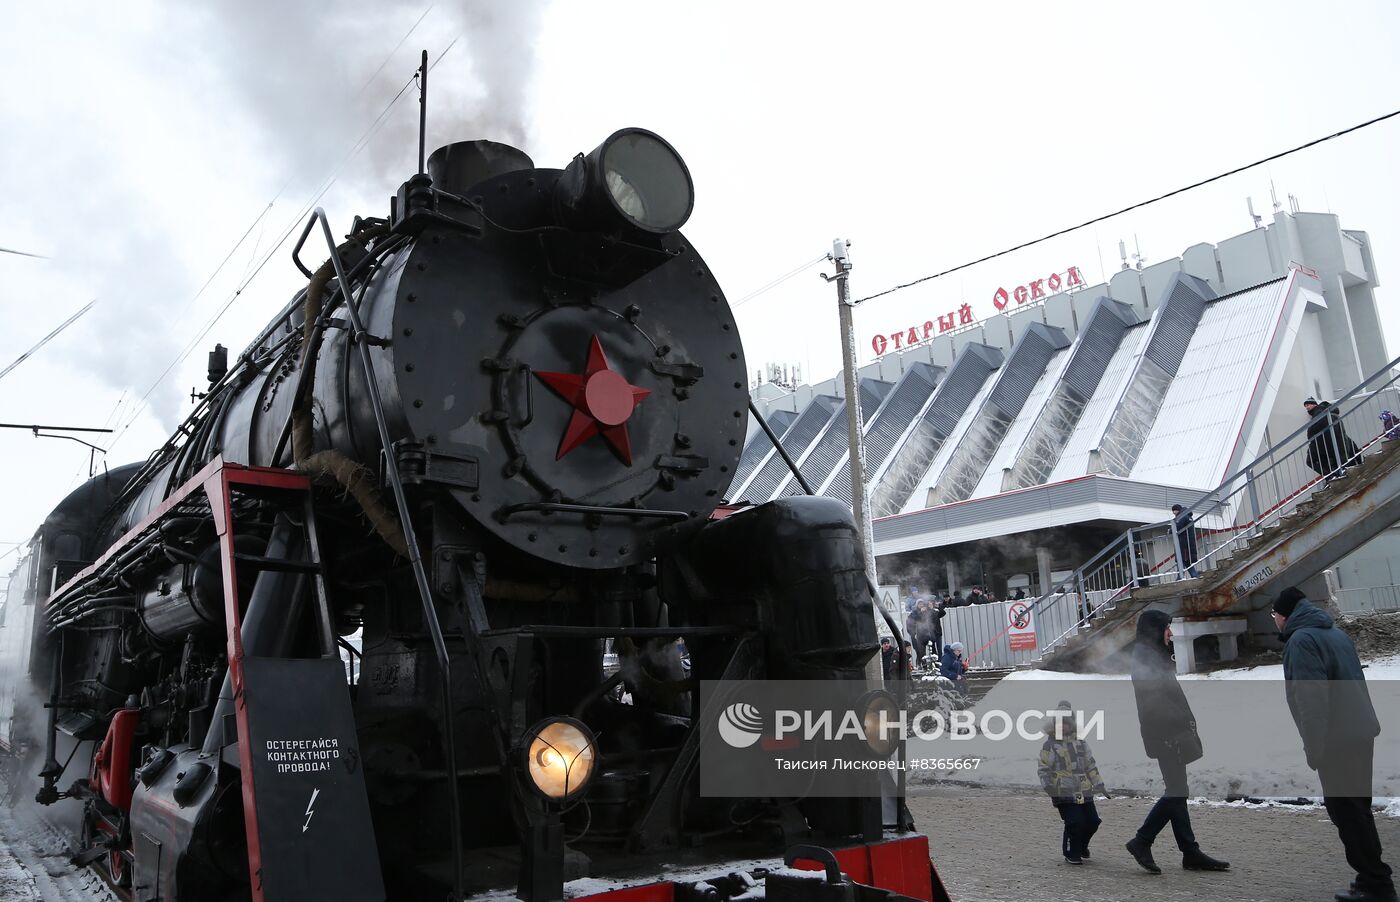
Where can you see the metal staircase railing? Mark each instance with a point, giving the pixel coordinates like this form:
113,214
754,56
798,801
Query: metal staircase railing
1255,497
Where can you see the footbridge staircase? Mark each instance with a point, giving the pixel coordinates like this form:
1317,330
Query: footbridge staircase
1281,520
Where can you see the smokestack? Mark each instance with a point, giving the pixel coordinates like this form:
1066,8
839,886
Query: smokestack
456,168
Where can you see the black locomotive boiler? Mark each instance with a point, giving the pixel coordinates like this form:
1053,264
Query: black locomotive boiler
398,612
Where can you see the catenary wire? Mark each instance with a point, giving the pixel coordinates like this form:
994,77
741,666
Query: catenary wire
10,250
776,282
1097,219
141,405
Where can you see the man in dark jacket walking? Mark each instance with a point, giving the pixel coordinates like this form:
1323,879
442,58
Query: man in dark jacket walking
1328,698
1168,735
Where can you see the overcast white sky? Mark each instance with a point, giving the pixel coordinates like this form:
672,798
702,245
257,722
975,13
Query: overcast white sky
142,139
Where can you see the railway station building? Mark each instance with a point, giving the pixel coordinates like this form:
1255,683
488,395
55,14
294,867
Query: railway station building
1006,452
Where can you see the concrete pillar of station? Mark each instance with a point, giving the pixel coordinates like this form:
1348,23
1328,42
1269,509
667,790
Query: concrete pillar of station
952,569
1042,565
1185,648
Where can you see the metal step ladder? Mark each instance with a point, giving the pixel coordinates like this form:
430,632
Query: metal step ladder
306,811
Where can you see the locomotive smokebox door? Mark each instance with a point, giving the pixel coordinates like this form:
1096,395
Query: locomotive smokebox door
608,407
314,832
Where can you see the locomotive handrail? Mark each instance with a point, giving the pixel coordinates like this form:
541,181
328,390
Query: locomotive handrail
415,558
563,508
305,233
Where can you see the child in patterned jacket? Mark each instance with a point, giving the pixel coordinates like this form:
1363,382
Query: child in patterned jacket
1071,778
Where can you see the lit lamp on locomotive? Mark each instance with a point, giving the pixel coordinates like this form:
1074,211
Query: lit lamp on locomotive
557,756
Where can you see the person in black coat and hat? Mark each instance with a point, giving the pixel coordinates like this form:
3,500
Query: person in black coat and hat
1184,522
1330,449
1169,735
1331,705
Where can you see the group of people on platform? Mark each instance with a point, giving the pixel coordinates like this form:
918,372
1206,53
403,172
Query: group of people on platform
1331,706
923,629
951,664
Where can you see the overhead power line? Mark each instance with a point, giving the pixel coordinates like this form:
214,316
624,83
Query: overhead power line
10,250
45,340
296,220
776,282
1097,219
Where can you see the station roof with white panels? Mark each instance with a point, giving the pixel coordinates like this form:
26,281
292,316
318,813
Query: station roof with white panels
1134,403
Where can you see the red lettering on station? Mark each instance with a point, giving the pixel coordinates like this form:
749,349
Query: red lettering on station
1033,291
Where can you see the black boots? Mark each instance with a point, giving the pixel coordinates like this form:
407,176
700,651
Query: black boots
1142,854
1196,860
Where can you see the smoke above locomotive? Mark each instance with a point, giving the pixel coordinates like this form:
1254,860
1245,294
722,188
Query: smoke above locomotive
486,441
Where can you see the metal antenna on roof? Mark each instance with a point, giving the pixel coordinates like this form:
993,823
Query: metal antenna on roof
422,112
1138,256
1123,253
1274,194
1258,220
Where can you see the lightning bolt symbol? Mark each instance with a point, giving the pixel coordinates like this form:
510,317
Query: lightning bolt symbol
310,806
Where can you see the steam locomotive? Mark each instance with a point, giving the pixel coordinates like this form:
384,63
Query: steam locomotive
398,611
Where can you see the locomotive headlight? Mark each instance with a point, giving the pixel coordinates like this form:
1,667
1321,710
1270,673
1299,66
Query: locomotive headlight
559,754
634,179
880,721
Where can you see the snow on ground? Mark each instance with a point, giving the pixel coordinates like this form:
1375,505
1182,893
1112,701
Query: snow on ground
34,865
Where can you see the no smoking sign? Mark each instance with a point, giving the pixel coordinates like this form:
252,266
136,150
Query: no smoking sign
1021,635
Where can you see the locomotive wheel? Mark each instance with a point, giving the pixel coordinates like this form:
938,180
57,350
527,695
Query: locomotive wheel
116,862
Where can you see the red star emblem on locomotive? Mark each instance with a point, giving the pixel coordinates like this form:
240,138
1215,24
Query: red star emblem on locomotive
603,400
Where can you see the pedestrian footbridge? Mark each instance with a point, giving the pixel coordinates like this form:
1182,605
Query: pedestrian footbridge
1296,510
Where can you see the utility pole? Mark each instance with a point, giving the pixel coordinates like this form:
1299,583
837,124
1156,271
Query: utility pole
860,496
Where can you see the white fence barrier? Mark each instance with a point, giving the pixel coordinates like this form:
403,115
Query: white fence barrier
1001,635
1367,601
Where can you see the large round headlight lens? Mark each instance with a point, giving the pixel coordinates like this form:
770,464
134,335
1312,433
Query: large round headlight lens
647,180
632,182
559,757
880,721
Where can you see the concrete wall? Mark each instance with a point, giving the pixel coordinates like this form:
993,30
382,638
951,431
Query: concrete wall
1316,240
1377,563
